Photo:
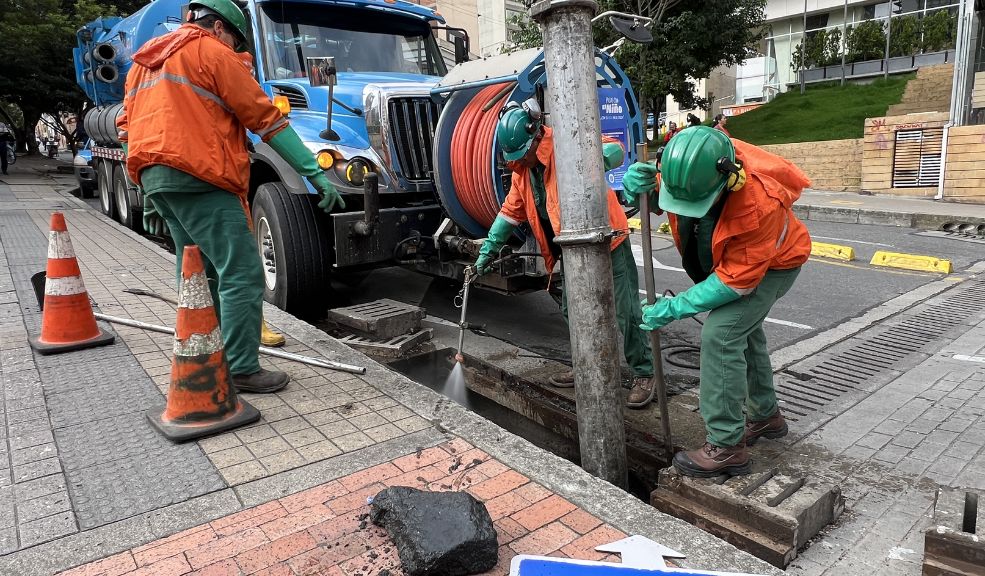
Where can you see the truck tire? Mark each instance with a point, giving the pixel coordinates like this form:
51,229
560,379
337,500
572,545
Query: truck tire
125,213
104,174
293,236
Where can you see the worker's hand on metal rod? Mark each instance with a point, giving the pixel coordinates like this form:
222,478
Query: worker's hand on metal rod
641,178
499,233
706,295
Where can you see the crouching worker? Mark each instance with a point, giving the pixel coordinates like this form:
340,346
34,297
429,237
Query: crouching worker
528,147
729,205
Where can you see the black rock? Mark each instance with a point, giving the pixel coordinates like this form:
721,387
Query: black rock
437,533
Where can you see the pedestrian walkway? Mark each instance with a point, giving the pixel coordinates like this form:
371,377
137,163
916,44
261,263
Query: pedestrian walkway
84,477
852,208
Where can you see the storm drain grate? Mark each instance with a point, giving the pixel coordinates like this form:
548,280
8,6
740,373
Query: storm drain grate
852,368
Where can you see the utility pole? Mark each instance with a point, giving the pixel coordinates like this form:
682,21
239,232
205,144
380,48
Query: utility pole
889,33
844,40
585,238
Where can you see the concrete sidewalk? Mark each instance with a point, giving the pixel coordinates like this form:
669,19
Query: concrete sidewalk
851,208
84,478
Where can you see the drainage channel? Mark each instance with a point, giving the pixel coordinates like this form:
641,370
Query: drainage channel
530,411
876,352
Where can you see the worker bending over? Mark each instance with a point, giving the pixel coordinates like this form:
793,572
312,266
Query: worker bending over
189,100
528,148
729,205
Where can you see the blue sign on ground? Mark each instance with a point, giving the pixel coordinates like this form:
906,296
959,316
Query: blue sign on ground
614,115
547,566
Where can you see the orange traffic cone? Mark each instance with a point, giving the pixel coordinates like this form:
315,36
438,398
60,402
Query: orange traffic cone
201,400
67,322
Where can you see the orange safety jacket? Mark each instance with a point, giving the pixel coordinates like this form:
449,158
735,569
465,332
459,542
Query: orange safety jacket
520,205
189,100
757,230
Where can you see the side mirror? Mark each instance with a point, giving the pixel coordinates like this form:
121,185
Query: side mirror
632,29
461,49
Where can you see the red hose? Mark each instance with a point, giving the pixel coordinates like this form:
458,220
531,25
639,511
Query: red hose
471,157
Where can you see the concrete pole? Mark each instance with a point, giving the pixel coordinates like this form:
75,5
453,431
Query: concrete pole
569,57
803,52
844,42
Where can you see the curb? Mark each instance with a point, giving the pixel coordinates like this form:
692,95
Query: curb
878,217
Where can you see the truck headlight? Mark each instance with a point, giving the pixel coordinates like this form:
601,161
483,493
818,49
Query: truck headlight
325,159
356,171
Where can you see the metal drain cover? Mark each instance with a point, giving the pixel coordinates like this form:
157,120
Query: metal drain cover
382,319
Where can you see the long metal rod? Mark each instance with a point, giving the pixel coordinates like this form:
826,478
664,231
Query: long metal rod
572,98
263,349
651,297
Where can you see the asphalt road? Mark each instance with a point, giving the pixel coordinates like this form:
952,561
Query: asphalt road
826,293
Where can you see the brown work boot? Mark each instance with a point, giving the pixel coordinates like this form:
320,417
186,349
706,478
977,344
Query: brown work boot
261,381
773,427
641,393
710,461
563,379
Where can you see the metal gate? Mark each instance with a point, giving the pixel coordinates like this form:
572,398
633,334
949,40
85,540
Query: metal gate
917,158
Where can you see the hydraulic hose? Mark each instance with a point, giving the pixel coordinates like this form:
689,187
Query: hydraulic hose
471,155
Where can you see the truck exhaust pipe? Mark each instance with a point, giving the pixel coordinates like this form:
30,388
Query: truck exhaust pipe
104,52
371,206
107,73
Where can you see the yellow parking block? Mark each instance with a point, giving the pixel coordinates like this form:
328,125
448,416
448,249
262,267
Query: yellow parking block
911,262
635,224
836,251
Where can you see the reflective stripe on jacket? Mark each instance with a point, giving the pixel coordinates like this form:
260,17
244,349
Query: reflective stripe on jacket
189,100
758,230
520,206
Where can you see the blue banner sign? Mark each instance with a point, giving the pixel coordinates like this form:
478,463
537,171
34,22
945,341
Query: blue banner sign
614,115
548,566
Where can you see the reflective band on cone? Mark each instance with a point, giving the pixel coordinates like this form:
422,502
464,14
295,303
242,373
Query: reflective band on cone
201,399
67,322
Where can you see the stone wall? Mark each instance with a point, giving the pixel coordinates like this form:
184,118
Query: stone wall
964,173
832,165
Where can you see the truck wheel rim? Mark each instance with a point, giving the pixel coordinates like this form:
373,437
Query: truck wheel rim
121,200
104,193
265,243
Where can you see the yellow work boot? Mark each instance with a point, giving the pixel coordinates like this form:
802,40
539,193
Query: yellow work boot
270,338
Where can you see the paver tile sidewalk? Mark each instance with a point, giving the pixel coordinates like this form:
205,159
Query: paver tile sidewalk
325,530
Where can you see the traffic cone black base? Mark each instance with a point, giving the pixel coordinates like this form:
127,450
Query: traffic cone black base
104,338
176,431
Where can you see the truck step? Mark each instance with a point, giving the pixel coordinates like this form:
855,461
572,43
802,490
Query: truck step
382,319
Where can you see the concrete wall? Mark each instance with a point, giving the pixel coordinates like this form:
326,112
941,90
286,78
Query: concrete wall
964,174
833,165
878,147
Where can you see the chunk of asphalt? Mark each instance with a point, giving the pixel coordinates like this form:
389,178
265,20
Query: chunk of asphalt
437,533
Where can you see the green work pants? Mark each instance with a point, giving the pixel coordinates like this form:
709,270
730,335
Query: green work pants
216,222
626,286
735,362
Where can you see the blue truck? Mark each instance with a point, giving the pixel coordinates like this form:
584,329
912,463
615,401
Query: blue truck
388,142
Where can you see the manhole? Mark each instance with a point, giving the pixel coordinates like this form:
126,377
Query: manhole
881,350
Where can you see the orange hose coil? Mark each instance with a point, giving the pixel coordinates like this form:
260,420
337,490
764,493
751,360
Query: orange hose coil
471,157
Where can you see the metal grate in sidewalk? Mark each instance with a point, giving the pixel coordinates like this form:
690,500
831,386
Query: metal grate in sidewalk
852,368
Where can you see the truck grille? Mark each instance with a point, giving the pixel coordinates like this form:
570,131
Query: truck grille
294,96
412,123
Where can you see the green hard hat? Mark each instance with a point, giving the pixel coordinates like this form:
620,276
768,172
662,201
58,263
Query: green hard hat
228,10
689,177
515,131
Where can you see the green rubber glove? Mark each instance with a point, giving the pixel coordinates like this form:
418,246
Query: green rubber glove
706,295
612,155
499,233
289,146
154,223
641,178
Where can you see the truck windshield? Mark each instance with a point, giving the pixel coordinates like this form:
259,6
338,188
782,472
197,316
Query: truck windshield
360,40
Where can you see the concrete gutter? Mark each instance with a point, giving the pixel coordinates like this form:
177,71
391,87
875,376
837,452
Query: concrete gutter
850,208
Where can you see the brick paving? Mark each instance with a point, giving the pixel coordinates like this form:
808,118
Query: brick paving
324,530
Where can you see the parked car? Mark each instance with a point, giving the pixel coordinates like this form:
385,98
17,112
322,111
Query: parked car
84,172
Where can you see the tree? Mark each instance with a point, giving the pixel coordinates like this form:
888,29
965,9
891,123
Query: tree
521,33
866,41
38,74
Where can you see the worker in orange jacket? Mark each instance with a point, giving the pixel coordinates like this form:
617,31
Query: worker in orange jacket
528,147
730,210
189,100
